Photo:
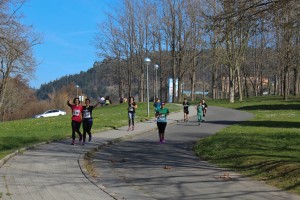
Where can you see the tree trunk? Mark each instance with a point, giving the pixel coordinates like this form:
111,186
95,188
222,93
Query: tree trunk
231,85
285,85
240,88
296,82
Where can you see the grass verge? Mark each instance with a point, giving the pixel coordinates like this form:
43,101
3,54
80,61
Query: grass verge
265,148
88,164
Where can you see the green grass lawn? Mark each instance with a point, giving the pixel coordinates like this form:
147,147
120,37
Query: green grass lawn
23,133
265,148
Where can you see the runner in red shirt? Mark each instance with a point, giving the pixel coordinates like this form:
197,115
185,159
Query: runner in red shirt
76,118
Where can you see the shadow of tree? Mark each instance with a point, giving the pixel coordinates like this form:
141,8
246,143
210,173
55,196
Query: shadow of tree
142,157
267,124
272,107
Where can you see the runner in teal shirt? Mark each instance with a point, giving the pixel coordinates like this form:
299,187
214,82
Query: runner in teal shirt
199,109
161,115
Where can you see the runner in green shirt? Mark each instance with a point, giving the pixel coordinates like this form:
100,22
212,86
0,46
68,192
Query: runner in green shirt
161,115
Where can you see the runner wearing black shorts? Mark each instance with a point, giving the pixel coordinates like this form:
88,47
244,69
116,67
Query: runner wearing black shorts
186,112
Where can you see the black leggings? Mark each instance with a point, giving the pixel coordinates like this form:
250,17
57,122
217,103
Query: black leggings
87,126
75,128
161,127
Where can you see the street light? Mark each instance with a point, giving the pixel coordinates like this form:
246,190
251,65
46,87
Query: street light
147,61
156,90
77,86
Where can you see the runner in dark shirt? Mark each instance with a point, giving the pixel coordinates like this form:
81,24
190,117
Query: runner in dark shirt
186,105
204,105
131,113
88,119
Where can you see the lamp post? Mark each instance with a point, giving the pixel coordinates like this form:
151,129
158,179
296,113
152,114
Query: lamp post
77,86
147,61
156,90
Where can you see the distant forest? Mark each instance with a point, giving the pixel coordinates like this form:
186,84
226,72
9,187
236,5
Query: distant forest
102,80
93,83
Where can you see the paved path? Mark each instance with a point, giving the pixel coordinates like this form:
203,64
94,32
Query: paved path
141,168
132,169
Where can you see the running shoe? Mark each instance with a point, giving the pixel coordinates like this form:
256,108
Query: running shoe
132,128
90,138
83,143
80,138
73,142
163,141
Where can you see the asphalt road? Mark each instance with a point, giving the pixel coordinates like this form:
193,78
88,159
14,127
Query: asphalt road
141,168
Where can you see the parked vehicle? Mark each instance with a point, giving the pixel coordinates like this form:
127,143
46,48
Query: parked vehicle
51,113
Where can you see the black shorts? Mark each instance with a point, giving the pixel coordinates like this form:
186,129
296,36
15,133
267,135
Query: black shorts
186,111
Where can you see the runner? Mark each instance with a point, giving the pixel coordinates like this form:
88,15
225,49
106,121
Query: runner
88,119
161,115
199,109
131,113
204,105
157,105
186,105
76,118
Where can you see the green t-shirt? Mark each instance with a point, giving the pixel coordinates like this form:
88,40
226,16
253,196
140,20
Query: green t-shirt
200,110
162,114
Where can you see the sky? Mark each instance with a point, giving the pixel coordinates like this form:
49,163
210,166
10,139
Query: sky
68,28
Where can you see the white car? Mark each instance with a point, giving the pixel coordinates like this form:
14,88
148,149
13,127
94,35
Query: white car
51,113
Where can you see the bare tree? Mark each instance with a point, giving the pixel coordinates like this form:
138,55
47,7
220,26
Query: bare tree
110,44
170,32
16,42
287,23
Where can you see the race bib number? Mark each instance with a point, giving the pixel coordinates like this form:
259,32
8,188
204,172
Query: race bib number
162,117
76,112
87,114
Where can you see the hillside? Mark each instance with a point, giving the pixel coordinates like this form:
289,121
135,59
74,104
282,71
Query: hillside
92,83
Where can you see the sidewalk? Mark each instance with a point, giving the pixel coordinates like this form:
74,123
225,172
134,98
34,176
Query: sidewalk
56,171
